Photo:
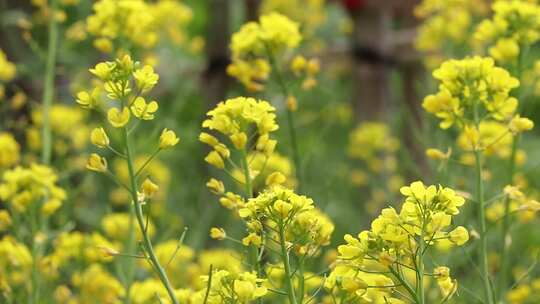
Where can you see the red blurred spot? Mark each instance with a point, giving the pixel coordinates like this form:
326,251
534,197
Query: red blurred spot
353,5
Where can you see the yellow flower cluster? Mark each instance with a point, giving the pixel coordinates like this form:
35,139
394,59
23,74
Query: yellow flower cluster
469,89
492,138
311,14
373,144
9,150
445,23
526,206
524,292
7,72
137,22
96,284
306,69
68,125
263,169
75,248
119,79
34,187
294,215
239,120
226,287
252,45
116,226
309,231
514,25
424,220
15,265
371,140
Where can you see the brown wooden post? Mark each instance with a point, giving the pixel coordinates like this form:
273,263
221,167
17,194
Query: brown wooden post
252,9
370,72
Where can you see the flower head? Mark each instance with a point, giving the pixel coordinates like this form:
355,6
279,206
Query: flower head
168,139
96,163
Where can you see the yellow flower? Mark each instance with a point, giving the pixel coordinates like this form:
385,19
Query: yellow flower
168,139
9,150
520,124
103,70
252,239
149,188
215,186
99,138
298,64
215,160
208,139
7,68
217,233
282,208
506,50
96,163
239,140
459,235
292,103
118,119
89,100
143,110
5,220
51,206
145,78
104,45
275,178
21,187
441,272
469,84
247,289
437,154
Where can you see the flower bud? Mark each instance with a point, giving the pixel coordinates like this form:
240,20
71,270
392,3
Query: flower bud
167,139
96,163
99,138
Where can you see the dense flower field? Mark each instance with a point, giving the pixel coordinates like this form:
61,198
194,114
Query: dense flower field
272,151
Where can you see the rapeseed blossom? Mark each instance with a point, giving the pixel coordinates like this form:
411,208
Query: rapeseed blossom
255,42
31,187
424,220
514,26
472,88
9,150
446,24
138,22
7,72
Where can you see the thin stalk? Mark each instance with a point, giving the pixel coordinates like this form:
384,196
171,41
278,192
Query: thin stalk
420,270
147,243
48,90
286,264
483,262
290,114
253,251
506,222
247,176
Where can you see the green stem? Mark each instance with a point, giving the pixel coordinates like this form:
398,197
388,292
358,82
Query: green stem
482,220
420,286
247,176
506,223
483,261
147,243
286,264
290,115
48,90
253,251
36,278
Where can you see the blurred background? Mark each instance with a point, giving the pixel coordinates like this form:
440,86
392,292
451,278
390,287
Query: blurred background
362,132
